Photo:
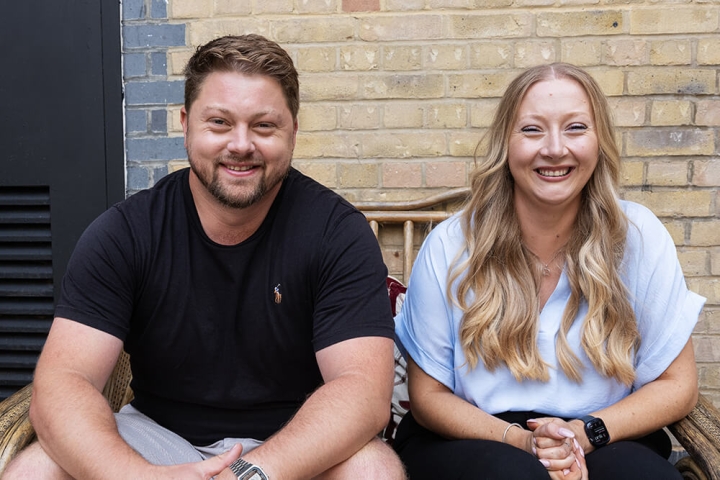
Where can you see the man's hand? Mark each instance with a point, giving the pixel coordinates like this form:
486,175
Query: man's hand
204,470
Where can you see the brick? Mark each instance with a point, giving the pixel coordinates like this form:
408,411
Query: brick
323,172
707,349
159,9
709,375
177,61
579,23
358,175
581,52
687,203
671,112
154,93
534,3
134,65
706,173
401,145
676,229
611,81
162,35
579,2
315,88
490,25
446,57
158,64
532,53
136,121
175,165
663,173
387,28
708,287
191,8
404,5
631,173
159,148
403,86
705,233
489,3
316,59
355,117
711,317
671,52
233,7
708,51
203,30
273,6
402,175
453,115
323,145
445,174
402,58
708,113
403,115
158,121
622,52
496,54
138,177
317,6
715,266
360,5
359,57
676,141
133,9
671,80
478,85
482,112
312,30
174,126
694,263
678,20
313,117
627,112
463,143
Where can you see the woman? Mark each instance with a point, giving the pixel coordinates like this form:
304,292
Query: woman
545,300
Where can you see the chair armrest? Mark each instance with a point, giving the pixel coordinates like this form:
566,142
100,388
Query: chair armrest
15,429
699,434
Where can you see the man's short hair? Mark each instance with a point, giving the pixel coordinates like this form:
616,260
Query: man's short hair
247,54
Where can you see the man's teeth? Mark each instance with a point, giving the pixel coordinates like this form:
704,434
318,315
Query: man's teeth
553,173
239,169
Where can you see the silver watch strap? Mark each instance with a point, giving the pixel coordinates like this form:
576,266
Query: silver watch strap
247,471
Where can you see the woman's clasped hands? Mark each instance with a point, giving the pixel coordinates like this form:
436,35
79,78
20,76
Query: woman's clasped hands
555,445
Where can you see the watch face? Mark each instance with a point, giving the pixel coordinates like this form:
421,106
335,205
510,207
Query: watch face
596,432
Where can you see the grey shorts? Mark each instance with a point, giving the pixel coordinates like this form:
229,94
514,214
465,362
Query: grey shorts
160,446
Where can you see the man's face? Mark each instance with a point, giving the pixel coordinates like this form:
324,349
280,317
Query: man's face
239,136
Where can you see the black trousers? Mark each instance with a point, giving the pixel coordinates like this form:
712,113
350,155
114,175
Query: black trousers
427,455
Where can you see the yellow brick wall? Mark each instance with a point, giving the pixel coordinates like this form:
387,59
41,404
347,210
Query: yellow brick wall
396,93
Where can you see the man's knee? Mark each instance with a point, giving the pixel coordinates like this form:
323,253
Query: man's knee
33,464
375,460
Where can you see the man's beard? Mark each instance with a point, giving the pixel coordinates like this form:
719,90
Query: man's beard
221,193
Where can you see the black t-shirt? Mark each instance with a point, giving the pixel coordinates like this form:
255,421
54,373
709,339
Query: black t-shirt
222,339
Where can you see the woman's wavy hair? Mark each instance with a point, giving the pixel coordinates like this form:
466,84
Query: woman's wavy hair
498,283
248,54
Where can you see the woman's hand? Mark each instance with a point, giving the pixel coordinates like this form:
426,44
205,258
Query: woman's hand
557,448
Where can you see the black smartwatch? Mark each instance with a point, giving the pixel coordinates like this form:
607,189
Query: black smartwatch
247,471
596,431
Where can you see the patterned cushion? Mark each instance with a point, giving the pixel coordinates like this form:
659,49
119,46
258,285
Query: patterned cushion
400,398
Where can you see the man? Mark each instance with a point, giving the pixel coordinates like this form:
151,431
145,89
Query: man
251,300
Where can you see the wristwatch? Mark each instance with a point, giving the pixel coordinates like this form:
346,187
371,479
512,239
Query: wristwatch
247,471
596,431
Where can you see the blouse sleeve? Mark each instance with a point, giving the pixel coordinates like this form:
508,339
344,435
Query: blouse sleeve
666,310
425,326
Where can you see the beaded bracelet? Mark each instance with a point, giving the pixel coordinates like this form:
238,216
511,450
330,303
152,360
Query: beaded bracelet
508,428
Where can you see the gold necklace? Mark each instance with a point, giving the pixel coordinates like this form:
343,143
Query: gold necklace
546,266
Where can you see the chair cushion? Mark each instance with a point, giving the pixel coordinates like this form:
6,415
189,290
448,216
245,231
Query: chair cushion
400,398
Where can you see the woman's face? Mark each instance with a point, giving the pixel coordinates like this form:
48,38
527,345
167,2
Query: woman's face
553,146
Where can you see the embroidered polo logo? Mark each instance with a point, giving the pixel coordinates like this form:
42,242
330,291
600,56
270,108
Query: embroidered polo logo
278,295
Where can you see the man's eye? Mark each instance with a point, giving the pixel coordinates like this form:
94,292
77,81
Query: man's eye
218,121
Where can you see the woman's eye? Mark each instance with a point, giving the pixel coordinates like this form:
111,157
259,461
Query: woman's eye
530,129
578,126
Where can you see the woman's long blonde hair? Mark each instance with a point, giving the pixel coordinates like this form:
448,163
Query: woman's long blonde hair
498,284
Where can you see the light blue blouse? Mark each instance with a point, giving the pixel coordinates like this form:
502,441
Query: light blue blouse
427,326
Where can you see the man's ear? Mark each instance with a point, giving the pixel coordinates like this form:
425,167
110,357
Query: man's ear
184,123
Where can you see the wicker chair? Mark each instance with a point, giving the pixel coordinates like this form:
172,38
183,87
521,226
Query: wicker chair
698,433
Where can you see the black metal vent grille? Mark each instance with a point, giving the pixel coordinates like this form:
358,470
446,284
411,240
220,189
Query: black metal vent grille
26,282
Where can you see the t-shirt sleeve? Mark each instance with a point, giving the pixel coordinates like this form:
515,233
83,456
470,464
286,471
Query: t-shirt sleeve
97,286
424,327
666,310
352,298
